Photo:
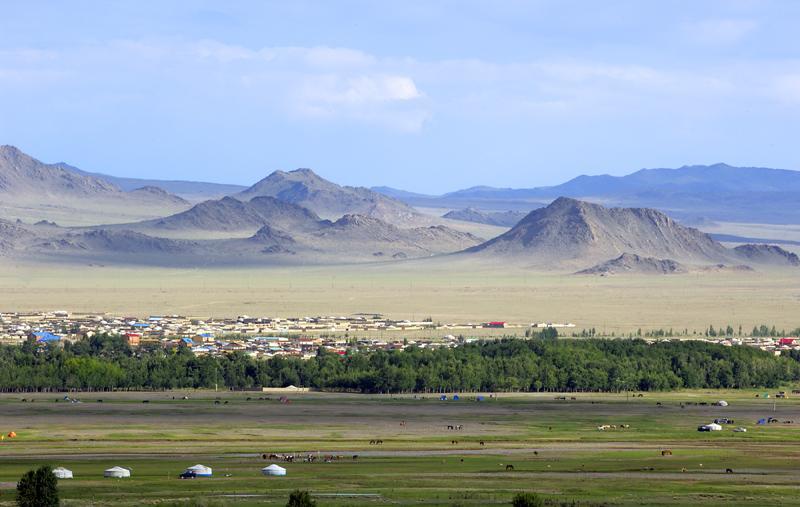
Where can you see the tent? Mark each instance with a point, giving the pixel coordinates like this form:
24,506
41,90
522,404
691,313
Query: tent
455,397
273,470
200,470
722,403
443,397
62,473
714,427
117,472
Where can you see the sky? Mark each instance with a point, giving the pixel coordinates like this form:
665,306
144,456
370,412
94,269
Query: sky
424,95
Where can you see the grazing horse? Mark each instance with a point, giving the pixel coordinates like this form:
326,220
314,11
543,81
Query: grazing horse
481,442
355,457
450,427
666,452
729,470
535,453
509,467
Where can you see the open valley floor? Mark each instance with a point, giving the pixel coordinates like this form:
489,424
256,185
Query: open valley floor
648,450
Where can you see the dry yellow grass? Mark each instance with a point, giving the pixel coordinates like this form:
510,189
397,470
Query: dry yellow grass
443,289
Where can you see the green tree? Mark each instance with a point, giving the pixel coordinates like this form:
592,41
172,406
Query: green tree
38,488
527,500
299,498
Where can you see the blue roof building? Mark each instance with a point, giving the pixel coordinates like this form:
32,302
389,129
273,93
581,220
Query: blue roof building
45,336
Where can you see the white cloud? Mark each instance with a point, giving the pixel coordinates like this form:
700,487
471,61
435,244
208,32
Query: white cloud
328,84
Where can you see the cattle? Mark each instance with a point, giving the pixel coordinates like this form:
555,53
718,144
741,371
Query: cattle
666,452
481,442
509,467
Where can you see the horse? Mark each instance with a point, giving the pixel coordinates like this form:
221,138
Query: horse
666,452
509,467
729,470
481,442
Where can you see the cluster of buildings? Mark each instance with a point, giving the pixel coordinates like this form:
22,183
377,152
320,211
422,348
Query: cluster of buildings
775,345
258,336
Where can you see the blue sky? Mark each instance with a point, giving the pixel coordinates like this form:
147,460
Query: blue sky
425,95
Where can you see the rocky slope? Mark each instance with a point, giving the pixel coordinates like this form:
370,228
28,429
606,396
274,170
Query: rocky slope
767,254
229,214
571,229
633,263
499,218
305,188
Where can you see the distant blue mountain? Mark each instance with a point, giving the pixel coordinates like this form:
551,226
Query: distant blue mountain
718,192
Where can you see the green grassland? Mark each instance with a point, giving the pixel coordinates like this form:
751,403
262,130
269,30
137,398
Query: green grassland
554,446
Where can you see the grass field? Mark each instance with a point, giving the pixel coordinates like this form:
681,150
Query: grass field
554,446
443,289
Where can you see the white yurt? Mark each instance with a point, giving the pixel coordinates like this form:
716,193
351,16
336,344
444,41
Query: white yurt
722,403
273,470
117,472
200,470
714,427
62,473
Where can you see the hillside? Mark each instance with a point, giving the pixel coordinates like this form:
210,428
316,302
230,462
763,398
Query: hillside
632,263
329,200
22,175
571,229
499,218
767,254
189,190
32,191
229,214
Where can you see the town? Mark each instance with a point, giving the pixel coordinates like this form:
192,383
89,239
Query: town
264,337
256,336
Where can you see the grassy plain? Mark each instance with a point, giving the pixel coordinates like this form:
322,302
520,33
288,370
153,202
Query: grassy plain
554,446
445,289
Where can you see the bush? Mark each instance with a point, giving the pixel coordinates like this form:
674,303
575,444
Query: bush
301,499
38,488
527,500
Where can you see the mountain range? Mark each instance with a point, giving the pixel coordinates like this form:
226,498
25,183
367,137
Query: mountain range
298,217
717,192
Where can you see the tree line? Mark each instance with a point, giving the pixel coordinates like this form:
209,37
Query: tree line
105,362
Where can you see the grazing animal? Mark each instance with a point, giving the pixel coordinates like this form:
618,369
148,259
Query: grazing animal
658,403
729,470
450,427
509,467
666,452
145,401
683,469
216,402
535,453
481,442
